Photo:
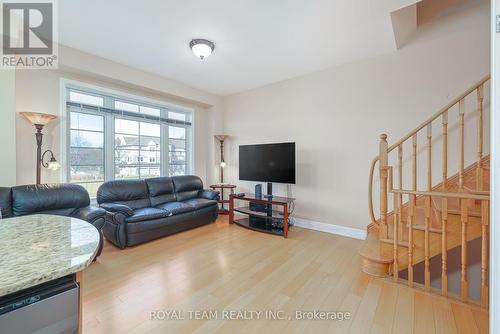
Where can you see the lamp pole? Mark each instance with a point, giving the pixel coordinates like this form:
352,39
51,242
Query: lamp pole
222,161
39,137
221,139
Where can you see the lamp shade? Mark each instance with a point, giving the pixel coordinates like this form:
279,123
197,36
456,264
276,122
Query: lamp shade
221,137
54,165
37,118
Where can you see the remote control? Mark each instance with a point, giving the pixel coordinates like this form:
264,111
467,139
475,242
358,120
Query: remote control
239,195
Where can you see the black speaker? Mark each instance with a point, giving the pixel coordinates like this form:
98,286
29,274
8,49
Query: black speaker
258,190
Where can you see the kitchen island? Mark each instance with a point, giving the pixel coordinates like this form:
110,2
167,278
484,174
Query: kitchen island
36,252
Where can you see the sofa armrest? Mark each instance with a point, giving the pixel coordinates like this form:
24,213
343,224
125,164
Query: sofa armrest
117,208
209,194
115,226
90,213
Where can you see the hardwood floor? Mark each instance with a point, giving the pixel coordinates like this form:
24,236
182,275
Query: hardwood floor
220,267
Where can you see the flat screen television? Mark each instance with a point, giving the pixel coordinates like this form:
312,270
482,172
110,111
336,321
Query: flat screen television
273,163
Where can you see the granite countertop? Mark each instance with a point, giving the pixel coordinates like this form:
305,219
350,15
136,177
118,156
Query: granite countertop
39,248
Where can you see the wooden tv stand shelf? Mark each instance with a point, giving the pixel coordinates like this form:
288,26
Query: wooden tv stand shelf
260,215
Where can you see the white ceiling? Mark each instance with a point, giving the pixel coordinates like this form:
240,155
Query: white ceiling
258,42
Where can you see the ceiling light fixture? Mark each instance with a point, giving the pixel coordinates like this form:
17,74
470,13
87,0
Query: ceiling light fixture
202,48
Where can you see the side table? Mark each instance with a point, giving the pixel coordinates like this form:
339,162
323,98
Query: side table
222,201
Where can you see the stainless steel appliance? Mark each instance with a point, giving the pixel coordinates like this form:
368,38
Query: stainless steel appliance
49,308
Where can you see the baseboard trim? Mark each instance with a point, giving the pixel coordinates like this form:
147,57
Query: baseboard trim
330,228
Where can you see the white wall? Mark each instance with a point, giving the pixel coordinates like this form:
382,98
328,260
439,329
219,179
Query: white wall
7,131
39,90
336,116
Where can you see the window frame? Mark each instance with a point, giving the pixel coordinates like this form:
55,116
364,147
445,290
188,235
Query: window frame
110,96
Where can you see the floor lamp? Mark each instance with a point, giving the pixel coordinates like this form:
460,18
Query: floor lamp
221,139
39,120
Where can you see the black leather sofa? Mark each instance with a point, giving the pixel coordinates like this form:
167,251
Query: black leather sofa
64,199
142,210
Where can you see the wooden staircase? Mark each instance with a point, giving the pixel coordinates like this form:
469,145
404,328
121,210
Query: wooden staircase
424,224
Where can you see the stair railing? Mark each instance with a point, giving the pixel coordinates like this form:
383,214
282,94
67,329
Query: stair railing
463,194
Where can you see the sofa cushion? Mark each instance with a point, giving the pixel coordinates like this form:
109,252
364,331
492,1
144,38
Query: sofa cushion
6,202
161,190
156,228
61,199
187,187
176,207
133,193
200,203
147,214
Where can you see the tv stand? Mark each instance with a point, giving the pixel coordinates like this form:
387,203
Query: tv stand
272,221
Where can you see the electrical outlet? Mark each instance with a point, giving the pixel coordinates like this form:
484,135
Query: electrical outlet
498,23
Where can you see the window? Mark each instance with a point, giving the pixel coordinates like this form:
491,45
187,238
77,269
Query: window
86,98
177,116
177,150
87,150
113,137
135,141
120,105
126,106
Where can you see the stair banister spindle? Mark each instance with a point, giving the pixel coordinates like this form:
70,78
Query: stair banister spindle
400,196
383,164
395,210
395,225
464,217
444,207
410,242
464,211
444,247
484,252
479,172
429,157
444,153
412,211
461,114
427,219
414,164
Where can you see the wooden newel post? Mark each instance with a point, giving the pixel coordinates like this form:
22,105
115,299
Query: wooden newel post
383,168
